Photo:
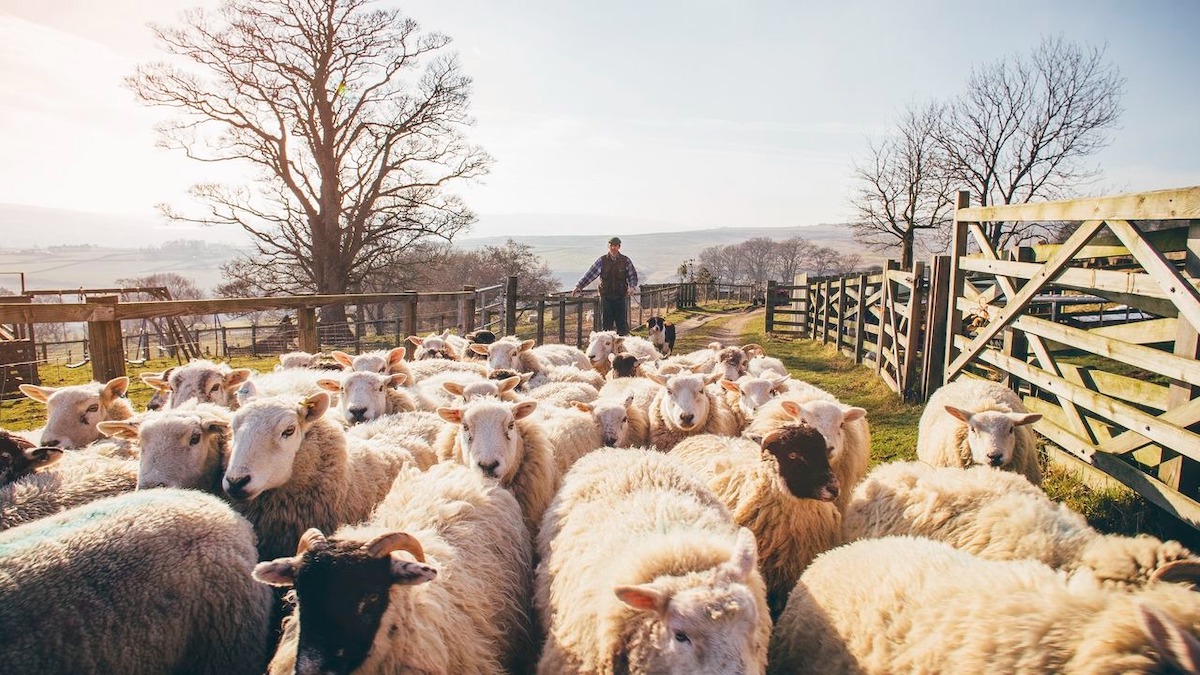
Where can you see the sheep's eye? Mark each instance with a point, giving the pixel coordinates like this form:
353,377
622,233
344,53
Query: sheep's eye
382,387
93,407
195,439
466,429
213,389
382,370
511,425
680,636
792,455
287,433
624,420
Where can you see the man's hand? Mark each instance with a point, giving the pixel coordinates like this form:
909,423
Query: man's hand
633,290
574,291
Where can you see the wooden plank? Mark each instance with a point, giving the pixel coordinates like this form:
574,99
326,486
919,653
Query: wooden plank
1152,331
1170,240
1179,203
1173,470
306,330
1179,290
1130,389
1185,416
1095,281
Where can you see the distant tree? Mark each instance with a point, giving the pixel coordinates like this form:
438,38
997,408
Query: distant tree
788,256
723,262
1025,124
757,256
823,261
903,187
498,263
179,286
352,118
848,263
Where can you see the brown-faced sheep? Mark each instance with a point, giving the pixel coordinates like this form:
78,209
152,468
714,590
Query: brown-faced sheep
20,457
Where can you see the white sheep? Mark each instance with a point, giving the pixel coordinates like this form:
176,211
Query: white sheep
498,439
574,431
745,396
445,389
701,360
414,430
383,361
781,488
184,447
149,582
300,360
290,381
436,582
685,407
364,396
1000,515
573,374
762,366
20,456
972,421
621,422
563,394
422,370
77,478
505,389
642,570
844,427
903,604
603,343
439,346
202,380
73,412
643,390
563,356
510,353
290,469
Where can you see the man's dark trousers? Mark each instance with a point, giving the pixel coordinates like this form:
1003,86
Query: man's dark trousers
613,310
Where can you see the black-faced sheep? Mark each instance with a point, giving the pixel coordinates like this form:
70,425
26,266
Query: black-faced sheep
1000,515
20,457
642,570
149,582
902,604
685,407
436,582
971,421
73,412
623,364
781,488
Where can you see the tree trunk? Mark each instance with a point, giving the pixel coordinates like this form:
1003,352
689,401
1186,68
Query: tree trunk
906,250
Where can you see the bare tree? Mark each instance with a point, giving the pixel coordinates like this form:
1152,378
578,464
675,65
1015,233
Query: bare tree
788,256
756,256
1024,125
823,261
724,263
903,187
352,118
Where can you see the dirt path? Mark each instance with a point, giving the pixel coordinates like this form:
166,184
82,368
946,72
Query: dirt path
724,328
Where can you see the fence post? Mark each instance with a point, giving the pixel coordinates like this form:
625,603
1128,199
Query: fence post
104,339
540,336
254,338
410,323
306,330
510,306
825,311
839,339
934,362
1016,344
579,323
562,319
1174,470
466,310
860,318
957,282
770,306
916,318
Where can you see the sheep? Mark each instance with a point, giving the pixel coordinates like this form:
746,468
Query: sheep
439,346
436,582
162,391
364,396
383,361
1000,515
971,421
402,429
605,342
497,438
573,374
731,363
78,478
563,394
505,390
148,582
290,469
643,390
781,488
298,381
844,427
931,608
202,380
622,424
702,360
73,412
20,457
623,365
444,389
513,354
685,407
422,370
575,433
642,570
184,447
761,366
305,360
748,394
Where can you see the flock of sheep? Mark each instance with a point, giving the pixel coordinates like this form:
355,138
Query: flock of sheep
492,506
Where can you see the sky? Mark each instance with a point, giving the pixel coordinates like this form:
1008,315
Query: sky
622,116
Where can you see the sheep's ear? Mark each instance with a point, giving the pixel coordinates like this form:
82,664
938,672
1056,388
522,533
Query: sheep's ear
408,573
453,388
37,393
1179,572
397,379
698,369
581,406
612,357
643,598
730,385
959,413
343,358
756,437
214,425
792,408
119,429
1021,419
527,345
744,557
851,414
715,346
445,334
396,355
416,340
42,457
235,378
655,377
454,415
524,409
115,388
314,406
278,572
712,377
1176,645
329,384
509,383
156,381
526,377
478,349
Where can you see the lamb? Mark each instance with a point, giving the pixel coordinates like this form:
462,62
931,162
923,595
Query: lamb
781,488
202,380
999,515
78,478
185,447
364,396
148,582
642,570
20,457
932,608
603,343
762,366
73,412
435,582
498,439
844,427
748,394
439,346
290,469
972,421
685,407
622,423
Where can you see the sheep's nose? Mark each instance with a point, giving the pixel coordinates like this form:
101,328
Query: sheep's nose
236,487
687,418
609,440
489,468
359,414
832,491
52,443
995,459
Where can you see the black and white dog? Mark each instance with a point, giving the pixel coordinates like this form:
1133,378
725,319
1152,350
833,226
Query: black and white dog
662,335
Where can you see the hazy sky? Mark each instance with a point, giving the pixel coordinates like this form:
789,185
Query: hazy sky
632,115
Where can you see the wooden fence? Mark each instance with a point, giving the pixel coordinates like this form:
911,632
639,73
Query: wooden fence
1099,333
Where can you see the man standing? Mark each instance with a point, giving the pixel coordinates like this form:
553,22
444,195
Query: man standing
618,279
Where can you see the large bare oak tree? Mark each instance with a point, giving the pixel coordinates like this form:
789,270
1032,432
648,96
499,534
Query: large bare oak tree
352,117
